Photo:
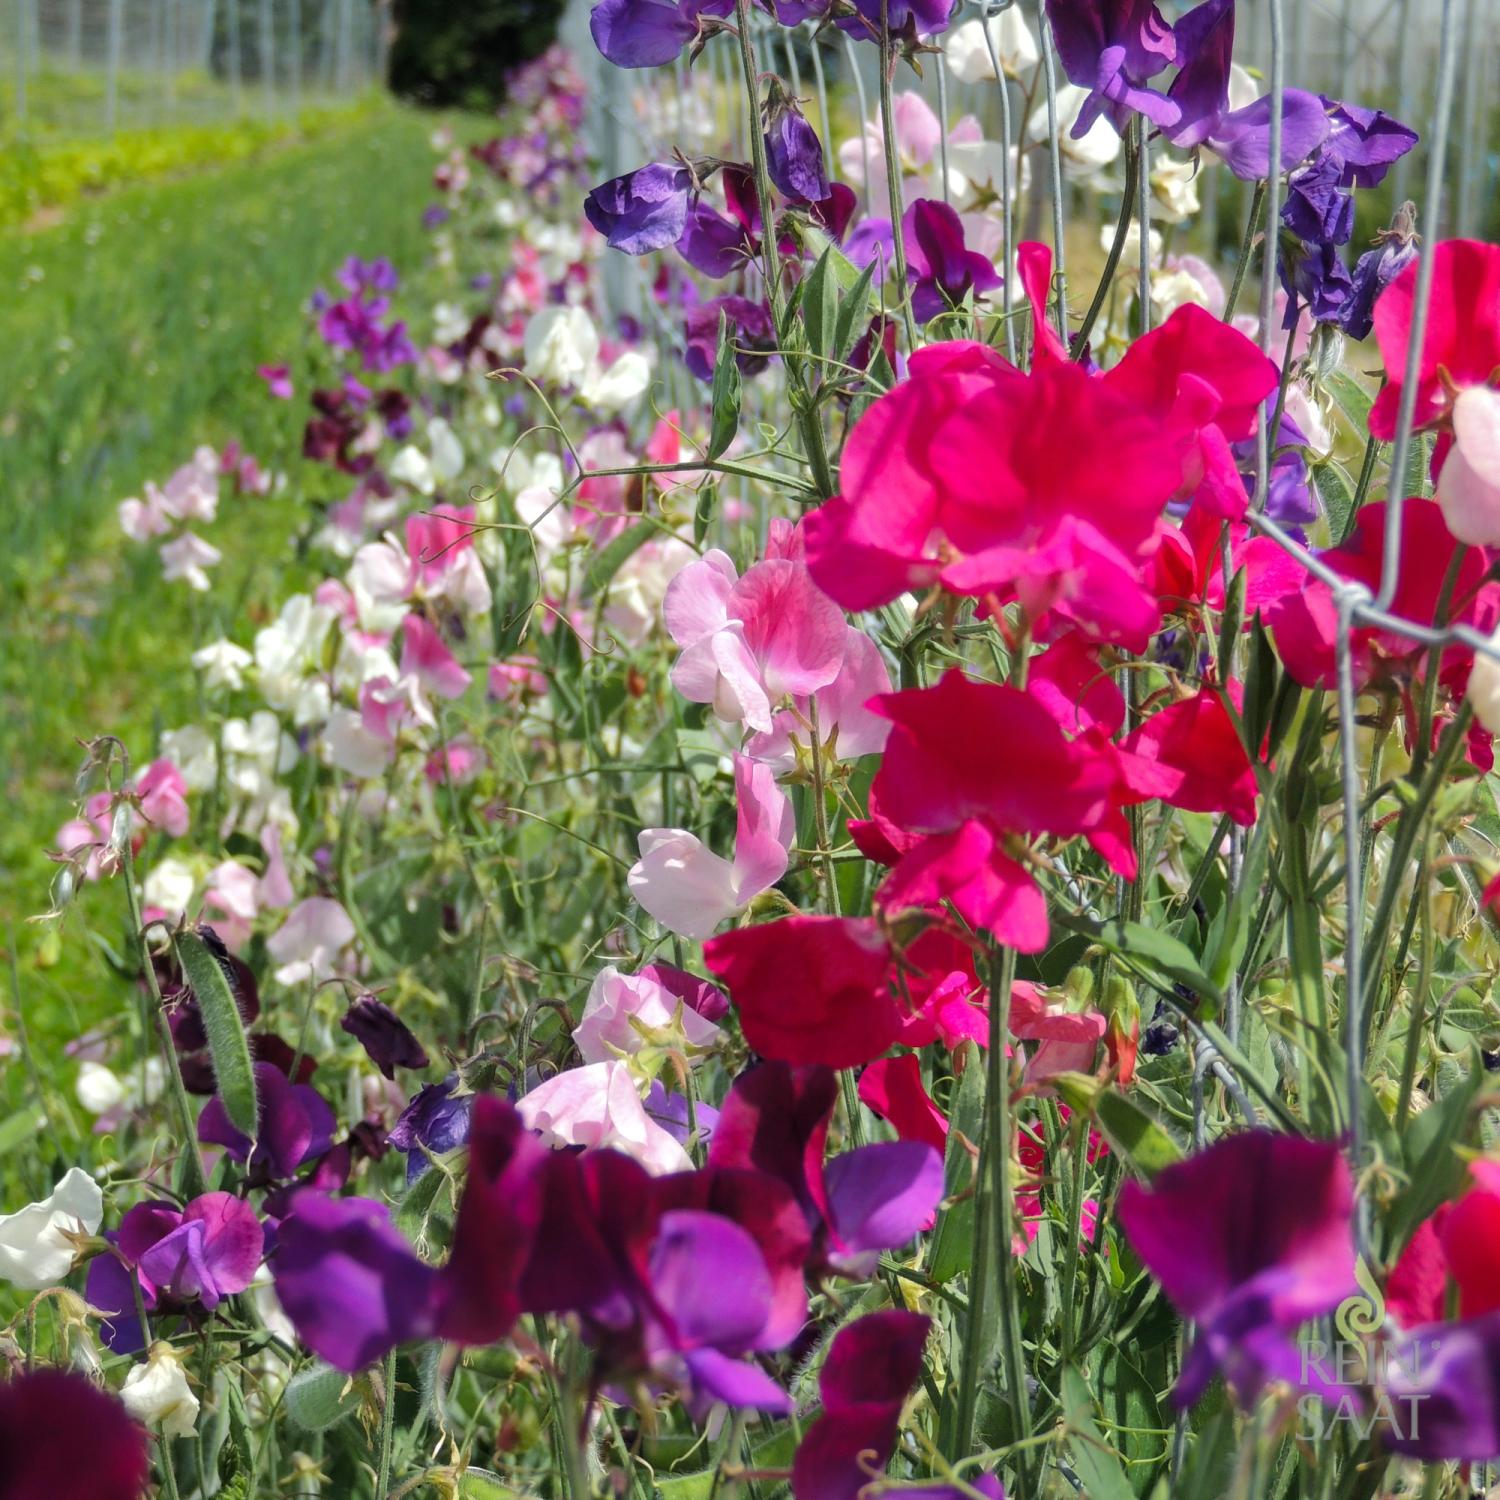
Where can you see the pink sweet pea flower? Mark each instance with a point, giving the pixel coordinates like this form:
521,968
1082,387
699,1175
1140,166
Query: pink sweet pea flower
598,1106
278,379
750,642
141,520
232,891
425,656
188,557
622,1008
1067,1040
1195,743
688,888
163,796
436,541
275,886
892,1087
310,943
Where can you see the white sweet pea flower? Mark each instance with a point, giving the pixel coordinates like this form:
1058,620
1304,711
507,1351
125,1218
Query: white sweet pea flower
308,944
223,665
449,322
1174,189
624,381
350,747
98,1089
157,1394
561,345
447,451
379,578
186,558
34,1248
1483,691
170,886
1083,159
412,467
192,750
968,53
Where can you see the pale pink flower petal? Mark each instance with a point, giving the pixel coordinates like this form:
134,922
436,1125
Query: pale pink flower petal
308,944
598,1106
275,888
688,888
617,1000
1468,488
696,602
765,830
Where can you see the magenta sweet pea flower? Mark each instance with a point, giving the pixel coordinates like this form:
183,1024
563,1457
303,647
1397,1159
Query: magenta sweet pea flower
870,1370
278,379
943,270
1249,1239
349,1281
178,1257
62,1438
296,1125
426,657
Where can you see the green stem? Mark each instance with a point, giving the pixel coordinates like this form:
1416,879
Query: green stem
1116,250
998,1129
195,1179
893,171
1247,247
387,1428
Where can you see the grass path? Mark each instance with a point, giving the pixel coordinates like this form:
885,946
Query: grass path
131,334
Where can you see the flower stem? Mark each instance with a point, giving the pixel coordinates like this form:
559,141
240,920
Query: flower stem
1257,203
893,170
387,1428
1116,250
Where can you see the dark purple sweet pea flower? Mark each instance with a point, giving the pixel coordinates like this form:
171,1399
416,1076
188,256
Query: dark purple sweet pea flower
296,1125
1442,1381
700,995
775,1120
435,215
1112,48
904,17
65,1439
1315,277
438,1119
1200,98
750,328
943,270
1318,208
349,1281
715,245
1290,499
871,1367
644,210
794,155
1395,249
384,1035
1249,1239
201,1254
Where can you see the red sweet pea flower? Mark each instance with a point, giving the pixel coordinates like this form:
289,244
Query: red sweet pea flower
1196,744
838,1010
892,1087
1460,1241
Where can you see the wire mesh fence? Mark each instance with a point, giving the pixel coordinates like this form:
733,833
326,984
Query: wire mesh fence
79,68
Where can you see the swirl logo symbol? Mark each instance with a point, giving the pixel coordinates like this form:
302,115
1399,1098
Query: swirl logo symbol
1364,1313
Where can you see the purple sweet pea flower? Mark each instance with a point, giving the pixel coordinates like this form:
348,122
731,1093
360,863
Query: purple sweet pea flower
378,275
1200,98
871,1367
904,17
438,1119
943,270
872,240
201,1254
751,329
775,1119
1376,269
1365,142
644,210
714,245
794,156
1443,1383
1249,1239
648,33
384,1035
1315,277
296,1125
349,1281
1112,48
1318,208
670,1111
1289,496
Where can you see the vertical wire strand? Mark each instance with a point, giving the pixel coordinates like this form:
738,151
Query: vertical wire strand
1054,149
941,69
1006,212
1431,212
864,119
1143,219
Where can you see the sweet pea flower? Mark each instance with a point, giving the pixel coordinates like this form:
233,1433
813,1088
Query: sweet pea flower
163,797
386,1038
599,1106
36,1250
223,665
625,1011
753,335
794,155
750,642
892,1087
435,1120
348,1280
44,1414
1249,1239
561,345
644,210
871,1367
1114,48
426,657
943,270
688,888
971,57
278,379
188,557
649,33
308,944
295,1125
1086,155
157,1394
840,1013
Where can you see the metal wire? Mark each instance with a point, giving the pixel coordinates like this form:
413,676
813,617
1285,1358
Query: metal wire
1006,216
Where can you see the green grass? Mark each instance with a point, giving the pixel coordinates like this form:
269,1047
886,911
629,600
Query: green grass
132,334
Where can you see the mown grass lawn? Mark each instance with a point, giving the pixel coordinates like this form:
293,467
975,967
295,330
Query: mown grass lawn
131,333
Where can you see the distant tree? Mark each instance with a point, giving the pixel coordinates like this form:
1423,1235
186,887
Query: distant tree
447,54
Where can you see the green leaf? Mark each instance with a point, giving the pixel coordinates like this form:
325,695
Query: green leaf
1131,1130
1336,492
484,1484
853,309
1153,950
725,394
228,1049
20,1128
1352,399
953,1244
611,559
319,1396
1434,1167
1098,1466
698,1486
703,513
1233,618
820,306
